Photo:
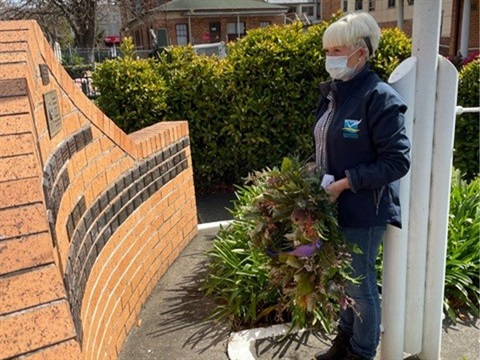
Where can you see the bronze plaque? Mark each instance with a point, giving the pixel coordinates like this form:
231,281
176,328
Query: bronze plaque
52,110
44,74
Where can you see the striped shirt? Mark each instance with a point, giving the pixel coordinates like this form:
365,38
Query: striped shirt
320,135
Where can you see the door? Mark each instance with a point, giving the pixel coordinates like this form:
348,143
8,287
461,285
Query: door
215,32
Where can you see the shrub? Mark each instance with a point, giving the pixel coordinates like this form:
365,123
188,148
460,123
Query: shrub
245,112
467,127
238,275
131,93
463,263
197,93
273,79
394,47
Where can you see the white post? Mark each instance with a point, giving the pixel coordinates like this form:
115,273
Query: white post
465,28
238,26
400,14
445,113
426,33
190,30
395,246
350,6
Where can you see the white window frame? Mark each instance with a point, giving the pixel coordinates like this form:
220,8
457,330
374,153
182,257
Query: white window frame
181,31
311,7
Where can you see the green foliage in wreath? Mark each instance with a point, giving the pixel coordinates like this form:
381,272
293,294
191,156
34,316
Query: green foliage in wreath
288,223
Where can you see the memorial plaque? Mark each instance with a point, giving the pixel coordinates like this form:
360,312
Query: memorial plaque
44,74
52,110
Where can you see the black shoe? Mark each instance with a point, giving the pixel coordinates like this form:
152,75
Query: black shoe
339,348
352,356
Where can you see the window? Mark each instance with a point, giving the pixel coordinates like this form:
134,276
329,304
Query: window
371,5
308,10
264,24
358,5
182,34
232,32
345,5
391,3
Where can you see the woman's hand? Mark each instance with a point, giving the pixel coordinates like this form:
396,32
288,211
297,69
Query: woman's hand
336,188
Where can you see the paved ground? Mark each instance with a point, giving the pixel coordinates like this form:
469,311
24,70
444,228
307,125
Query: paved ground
172,324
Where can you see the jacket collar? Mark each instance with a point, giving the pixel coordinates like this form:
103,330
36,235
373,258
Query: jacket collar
341,89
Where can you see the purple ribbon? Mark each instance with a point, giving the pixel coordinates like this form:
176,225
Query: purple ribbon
306,250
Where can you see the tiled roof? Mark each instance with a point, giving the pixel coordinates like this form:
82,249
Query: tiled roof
219,5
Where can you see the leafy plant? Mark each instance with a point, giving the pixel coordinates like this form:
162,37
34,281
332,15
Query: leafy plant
130,92
463,263
394,47
197,93
245,112
467,128
286,222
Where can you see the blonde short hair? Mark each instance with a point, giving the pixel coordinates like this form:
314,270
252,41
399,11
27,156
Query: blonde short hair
354,30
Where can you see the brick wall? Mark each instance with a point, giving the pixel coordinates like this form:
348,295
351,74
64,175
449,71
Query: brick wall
90,218
456,29
200,27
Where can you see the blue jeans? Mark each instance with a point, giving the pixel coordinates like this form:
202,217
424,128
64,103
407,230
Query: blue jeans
363,324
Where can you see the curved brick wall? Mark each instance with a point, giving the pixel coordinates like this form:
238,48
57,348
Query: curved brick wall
90,218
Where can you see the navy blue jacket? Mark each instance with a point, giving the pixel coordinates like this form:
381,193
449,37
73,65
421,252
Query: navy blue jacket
366,142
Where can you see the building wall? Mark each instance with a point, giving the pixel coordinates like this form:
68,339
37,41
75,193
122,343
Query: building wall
387,17
199,27
456,26
90,217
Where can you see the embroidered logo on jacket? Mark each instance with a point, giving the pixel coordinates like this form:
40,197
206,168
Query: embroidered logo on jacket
350,128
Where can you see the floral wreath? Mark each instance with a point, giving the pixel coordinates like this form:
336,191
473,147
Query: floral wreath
295,224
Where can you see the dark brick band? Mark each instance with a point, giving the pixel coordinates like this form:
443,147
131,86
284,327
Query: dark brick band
90,229
55,174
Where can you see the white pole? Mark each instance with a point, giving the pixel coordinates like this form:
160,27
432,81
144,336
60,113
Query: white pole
426,34
395,246
465,28
189,29
400,14
238,26
445,113
351,6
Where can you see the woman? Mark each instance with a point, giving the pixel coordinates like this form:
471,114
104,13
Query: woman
360,143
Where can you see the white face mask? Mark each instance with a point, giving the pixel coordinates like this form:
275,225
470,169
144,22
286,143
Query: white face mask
337,67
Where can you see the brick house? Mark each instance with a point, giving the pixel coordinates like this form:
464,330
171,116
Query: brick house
204,21
386,13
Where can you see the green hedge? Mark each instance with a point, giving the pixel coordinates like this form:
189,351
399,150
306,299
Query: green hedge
245,112
467,128
131,92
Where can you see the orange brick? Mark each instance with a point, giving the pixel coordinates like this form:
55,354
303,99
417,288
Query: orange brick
93,150
22,221
20,192
18,167
17,254
35,328
14,124
70,120
14,46
13,71
13,87
68,350
30,289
